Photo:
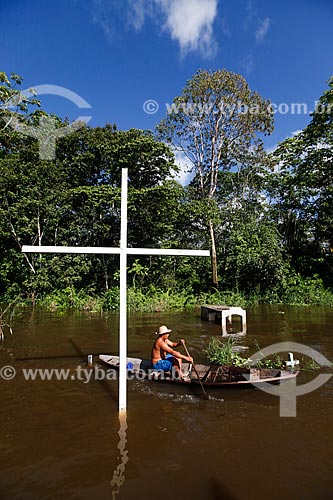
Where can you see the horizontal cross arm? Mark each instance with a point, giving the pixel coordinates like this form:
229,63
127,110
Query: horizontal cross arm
168,251
60,249
114,250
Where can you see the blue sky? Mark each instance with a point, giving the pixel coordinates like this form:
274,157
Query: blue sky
117,54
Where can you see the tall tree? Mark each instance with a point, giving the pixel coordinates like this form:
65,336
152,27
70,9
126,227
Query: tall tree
214,123
302,190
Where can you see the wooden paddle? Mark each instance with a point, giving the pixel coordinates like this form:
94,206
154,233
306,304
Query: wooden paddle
204,393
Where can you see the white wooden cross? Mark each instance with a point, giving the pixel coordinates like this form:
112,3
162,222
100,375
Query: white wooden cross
123,250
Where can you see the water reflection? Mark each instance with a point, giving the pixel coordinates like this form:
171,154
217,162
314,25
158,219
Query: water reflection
119,473
233,332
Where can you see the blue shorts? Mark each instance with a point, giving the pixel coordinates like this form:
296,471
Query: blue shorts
164,364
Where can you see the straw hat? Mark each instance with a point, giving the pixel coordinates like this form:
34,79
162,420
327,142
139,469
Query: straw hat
163,330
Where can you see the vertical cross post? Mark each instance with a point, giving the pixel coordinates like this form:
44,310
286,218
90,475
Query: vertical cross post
123,295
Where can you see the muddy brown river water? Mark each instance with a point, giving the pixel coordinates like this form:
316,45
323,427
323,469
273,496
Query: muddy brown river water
61,439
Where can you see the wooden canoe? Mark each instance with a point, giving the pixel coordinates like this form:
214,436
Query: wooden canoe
210,376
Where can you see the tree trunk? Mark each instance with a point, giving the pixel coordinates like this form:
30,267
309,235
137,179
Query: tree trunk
213,256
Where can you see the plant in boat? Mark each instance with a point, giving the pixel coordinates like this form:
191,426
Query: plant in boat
223,353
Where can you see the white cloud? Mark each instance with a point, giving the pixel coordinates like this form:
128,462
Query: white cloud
252,18
263,29
137,14
101,16
248,64
188,22
184,176
225,28
251,14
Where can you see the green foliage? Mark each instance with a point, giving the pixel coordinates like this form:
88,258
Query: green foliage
223,353
111,299
254,259
11,96
153,300
69,298
268,220
272,362
157,300
227,297
310,365
301,191
75,200
305,291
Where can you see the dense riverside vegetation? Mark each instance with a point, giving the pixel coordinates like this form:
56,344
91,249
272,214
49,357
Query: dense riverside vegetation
268,217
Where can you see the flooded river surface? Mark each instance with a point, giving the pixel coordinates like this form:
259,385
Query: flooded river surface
61,439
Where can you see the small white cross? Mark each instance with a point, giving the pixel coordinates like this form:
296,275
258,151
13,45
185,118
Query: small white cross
123,250
291,362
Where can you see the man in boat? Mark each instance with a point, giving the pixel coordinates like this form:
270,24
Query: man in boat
164,357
